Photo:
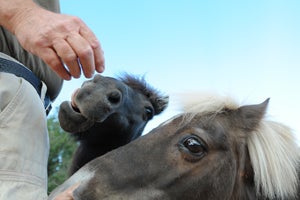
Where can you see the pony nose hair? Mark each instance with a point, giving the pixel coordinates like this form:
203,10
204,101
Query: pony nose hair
114,97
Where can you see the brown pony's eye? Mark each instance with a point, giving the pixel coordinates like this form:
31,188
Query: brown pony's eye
192,148
193,145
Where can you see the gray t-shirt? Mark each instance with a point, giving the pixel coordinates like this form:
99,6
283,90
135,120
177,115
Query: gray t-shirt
10,46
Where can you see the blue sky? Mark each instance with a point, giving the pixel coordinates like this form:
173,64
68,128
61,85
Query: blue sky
248,49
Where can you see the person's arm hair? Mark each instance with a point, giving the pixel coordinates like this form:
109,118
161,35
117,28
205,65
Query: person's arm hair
12,10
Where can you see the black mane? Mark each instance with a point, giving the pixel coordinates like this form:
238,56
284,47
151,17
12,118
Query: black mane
157,99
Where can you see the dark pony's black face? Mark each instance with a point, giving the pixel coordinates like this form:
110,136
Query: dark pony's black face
111,101
106,113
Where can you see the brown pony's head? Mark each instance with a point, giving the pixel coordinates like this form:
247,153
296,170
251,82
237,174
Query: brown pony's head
215,149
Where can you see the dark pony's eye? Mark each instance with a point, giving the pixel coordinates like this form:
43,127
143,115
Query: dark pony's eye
193,148
149,113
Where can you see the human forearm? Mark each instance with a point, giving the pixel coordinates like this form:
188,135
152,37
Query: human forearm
11,11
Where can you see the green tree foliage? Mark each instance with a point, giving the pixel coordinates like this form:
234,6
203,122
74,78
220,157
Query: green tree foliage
62,147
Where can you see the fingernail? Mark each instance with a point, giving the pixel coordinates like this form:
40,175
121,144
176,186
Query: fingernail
89,74
100,69
67,77
92,73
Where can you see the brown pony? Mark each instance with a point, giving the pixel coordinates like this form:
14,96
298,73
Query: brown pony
215,150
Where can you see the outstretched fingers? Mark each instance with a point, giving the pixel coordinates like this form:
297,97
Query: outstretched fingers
84,53
79,52
51,58
63,42
96,47
67,56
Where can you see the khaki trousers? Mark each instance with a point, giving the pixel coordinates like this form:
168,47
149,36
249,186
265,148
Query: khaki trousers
24,143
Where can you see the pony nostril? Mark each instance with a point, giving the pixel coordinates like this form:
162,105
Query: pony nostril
114,97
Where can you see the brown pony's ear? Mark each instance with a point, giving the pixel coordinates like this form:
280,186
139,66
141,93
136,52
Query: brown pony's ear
250,115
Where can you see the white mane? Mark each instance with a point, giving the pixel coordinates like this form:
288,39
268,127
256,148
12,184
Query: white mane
205,103
275,159
273,149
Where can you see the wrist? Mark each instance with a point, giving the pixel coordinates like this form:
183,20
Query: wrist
13,12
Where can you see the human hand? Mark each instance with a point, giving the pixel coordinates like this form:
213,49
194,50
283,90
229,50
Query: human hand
67,194
59,39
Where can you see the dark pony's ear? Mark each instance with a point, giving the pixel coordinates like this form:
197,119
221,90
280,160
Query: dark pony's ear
158,100
250,115
160,103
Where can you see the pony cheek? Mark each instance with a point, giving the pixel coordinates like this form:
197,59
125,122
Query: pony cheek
118,122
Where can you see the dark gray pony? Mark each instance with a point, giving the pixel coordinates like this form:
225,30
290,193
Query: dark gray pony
214,150
106,113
